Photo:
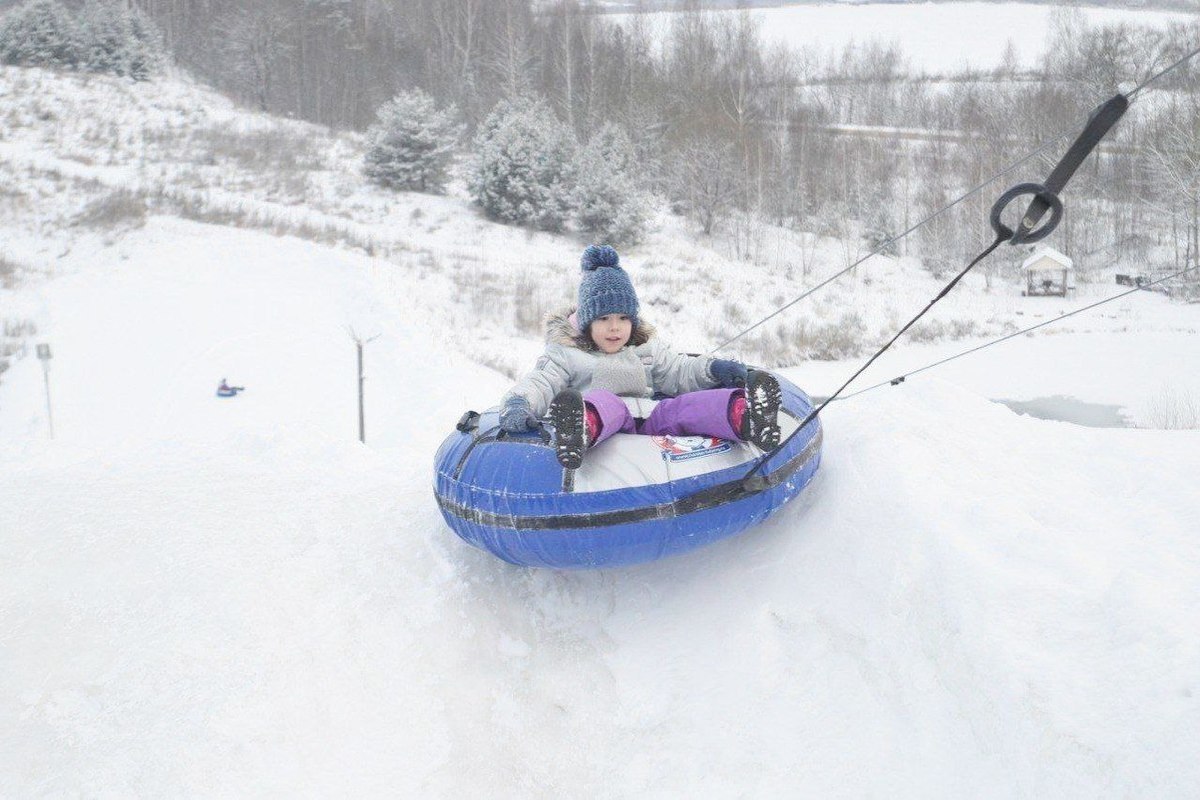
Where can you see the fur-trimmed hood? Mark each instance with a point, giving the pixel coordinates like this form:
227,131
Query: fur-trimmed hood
560,329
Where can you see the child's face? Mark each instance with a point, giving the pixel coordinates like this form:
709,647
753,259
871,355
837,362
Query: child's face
611,332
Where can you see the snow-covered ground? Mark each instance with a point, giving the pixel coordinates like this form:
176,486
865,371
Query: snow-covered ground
936,38
233,597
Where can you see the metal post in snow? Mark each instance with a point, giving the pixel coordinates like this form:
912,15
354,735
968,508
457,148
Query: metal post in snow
362,430
358,343
43,354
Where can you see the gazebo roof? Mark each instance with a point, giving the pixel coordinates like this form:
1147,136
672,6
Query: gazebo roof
1050,253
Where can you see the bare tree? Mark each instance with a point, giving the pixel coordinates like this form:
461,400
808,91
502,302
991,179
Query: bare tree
743,93
512,60
255,44
1174,165
706,180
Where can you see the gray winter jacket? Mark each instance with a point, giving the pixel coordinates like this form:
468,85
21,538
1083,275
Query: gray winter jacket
641,368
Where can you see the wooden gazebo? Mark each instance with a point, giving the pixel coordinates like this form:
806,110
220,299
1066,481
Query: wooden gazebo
1048,272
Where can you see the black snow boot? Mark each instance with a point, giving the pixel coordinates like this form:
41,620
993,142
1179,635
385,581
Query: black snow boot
570,428
760,423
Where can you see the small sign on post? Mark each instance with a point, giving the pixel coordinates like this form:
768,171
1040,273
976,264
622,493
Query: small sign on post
43,354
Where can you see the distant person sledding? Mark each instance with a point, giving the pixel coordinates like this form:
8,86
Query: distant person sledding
225,390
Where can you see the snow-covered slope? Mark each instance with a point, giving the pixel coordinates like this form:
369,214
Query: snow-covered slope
234,597
85,158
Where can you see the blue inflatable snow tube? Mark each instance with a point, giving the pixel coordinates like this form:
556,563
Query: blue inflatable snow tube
635,499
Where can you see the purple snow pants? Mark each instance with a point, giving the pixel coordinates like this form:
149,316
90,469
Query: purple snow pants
702,413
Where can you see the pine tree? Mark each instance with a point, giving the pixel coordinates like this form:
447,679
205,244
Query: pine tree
523,166
109,41
102,33
40,33
610,203
411,144
147,53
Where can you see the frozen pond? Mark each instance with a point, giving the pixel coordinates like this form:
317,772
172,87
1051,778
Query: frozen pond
1063,409
936,37
1069,409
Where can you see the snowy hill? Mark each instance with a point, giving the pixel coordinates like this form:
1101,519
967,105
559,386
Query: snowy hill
235,597
85,158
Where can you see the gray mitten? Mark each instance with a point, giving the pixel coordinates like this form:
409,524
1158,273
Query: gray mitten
728,374
516,417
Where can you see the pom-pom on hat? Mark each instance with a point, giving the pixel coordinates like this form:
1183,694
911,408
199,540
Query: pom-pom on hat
605,288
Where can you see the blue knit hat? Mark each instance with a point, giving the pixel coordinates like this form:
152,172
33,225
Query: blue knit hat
605,288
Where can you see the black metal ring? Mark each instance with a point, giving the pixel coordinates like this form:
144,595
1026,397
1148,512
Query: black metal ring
1036,235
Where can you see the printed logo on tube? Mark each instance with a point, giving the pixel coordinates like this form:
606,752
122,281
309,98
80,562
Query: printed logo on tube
685,448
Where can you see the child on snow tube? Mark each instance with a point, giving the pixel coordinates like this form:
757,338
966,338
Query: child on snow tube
602,351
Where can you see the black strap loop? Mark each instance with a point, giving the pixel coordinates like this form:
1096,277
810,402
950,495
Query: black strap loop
1024,235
